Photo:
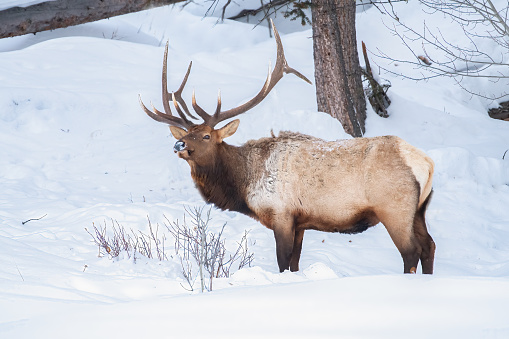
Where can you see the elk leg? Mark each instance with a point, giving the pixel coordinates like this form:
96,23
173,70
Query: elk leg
410,260
426,242
297,248
410,252
429,258
284,235
402,234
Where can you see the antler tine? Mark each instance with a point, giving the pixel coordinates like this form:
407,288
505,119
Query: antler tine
207,118
273,77
166,94
218,107
168,117
161,117
281,62
178,93
200,111
176,104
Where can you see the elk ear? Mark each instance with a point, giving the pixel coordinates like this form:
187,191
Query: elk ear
178,133
227,130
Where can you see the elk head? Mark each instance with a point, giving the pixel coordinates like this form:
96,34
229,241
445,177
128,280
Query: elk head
197,142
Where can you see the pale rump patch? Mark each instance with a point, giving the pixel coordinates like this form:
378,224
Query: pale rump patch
422,166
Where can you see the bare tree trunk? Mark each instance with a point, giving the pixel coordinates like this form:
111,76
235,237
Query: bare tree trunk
338,81
62,13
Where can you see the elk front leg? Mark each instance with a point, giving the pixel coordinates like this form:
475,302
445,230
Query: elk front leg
297,248
284,234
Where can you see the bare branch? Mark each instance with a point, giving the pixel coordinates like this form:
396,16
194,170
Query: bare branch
33,219
443,57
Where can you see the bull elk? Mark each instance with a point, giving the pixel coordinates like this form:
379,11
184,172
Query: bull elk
295,182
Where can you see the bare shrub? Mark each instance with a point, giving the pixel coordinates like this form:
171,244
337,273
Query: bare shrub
119,242
196,246
148,245
201,252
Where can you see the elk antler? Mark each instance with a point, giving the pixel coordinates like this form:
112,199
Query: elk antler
273,77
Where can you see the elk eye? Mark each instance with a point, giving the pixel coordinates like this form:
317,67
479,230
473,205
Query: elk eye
206,137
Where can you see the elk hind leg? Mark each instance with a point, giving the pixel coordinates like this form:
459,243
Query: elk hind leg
402,234
425,240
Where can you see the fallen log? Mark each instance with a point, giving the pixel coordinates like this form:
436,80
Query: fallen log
63,13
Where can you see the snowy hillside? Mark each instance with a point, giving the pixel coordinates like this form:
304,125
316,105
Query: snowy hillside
76,151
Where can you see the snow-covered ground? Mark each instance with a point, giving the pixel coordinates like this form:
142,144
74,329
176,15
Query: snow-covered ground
20,3
76,150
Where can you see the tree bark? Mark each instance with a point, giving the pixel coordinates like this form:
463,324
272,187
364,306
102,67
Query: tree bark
62,13
338,80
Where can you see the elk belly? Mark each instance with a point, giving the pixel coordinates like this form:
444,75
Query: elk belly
349,222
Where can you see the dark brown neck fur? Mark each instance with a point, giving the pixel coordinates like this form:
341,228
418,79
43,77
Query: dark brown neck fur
223,183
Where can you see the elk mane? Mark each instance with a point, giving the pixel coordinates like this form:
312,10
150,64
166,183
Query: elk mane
220,183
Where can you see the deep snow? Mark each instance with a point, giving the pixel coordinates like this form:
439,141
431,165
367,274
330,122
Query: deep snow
76,149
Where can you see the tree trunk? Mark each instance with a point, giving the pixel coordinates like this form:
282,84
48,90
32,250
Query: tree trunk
62,13
338,81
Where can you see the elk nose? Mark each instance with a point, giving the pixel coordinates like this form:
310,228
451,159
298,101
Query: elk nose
179,146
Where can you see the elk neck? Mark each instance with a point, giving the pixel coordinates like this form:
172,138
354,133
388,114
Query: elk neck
222,182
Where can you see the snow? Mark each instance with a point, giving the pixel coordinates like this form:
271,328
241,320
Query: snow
76,150
6,4
303,310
